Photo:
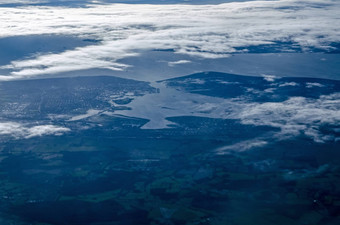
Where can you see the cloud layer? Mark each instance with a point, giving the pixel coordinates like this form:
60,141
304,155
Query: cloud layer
210,31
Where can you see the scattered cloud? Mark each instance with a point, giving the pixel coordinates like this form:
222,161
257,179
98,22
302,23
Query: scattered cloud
289,84
124,30
19,130
311,85
296,116
193,81
269,78
269,90
42,130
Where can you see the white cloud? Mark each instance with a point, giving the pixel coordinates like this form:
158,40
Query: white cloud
19,130
296,116
241,146
311,85
45,130
269,90
9,128
269,78
192,81
289,84
209,31
89,113
179,62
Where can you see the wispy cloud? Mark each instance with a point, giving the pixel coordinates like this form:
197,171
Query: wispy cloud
289,84
311,85
89,113
18,130
210,31
178,62
241,146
